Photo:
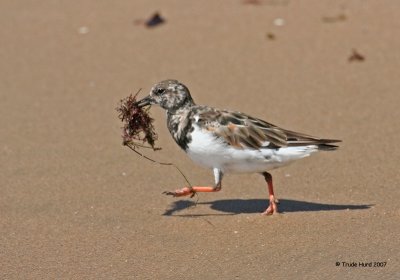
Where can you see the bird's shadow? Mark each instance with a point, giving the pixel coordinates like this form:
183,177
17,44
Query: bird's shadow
238,206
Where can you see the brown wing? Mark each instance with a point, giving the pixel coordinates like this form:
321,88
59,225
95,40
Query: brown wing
240,130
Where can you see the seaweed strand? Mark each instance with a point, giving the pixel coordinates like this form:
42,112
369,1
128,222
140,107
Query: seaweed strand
158,162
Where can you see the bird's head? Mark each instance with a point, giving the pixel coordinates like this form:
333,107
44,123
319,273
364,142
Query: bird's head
169,94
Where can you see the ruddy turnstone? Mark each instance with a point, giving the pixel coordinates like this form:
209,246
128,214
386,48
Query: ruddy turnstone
227,141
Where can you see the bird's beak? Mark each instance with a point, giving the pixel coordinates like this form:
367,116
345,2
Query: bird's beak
144,102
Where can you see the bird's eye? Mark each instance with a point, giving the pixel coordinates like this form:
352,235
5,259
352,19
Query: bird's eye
160,90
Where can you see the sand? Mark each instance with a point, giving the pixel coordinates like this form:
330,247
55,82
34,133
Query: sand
76,204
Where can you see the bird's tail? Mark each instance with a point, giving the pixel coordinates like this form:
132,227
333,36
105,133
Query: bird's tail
301,139
326,144
327,147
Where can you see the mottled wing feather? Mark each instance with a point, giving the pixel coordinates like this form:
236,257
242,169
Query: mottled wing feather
240,130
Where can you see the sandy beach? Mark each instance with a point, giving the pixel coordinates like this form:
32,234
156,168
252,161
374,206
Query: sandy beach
76,204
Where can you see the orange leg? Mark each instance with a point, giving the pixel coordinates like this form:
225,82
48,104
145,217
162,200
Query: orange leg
193,190
272,208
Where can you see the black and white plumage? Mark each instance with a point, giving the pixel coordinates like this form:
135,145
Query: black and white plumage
228,141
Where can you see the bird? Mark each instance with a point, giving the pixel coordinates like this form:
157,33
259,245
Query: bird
228,141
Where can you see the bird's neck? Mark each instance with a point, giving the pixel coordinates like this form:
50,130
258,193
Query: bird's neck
182,108
179,125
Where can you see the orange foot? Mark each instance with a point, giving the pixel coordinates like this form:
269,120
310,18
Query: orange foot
192,191
272,208
181,192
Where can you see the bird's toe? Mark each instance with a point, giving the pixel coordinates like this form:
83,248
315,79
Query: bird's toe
181,192
272,209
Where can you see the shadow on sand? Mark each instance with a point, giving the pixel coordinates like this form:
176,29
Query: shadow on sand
238,206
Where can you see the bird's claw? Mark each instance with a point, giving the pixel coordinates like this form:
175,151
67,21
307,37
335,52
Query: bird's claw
272,208
181,192
169,193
